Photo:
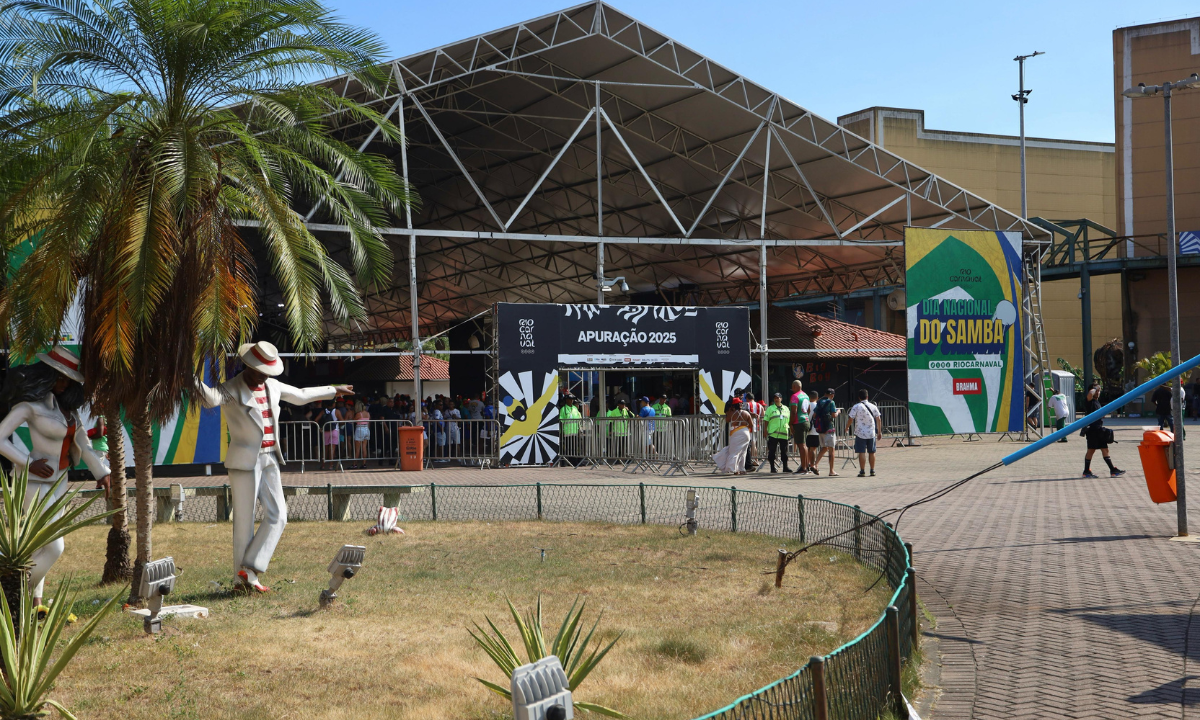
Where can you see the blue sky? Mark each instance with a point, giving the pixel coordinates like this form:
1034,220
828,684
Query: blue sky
952,59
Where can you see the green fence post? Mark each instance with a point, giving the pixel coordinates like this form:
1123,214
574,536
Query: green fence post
895,690
433,499
227,503
539,501
733,508
857,533
820,700
642,499
914,609
329,501
800,513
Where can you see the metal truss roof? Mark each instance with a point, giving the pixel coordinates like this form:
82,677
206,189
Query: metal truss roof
695,165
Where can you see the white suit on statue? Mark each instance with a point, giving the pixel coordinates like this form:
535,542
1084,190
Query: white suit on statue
47,432
253,469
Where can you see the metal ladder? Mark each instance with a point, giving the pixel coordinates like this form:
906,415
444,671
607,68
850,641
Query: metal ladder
1036,353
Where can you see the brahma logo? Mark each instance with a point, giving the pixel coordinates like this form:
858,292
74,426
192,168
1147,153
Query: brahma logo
969,386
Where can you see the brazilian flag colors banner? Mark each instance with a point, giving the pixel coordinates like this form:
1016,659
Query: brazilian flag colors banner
963,296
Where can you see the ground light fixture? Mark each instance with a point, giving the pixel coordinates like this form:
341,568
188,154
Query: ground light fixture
540,691
345,565
158,581
1142,90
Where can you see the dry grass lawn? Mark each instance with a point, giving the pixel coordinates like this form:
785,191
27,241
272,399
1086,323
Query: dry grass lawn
702,624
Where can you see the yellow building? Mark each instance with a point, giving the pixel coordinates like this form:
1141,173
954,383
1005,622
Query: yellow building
1154,54
1067,180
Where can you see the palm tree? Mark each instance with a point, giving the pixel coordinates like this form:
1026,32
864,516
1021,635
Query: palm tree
142,135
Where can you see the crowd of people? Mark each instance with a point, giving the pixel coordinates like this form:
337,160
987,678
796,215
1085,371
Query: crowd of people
348,429
804,424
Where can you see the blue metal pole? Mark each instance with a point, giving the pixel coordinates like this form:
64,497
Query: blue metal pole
1088,420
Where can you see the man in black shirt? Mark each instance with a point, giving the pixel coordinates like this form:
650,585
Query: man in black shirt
1162,406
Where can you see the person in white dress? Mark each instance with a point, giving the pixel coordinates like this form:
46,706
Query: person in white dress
46,397
250,404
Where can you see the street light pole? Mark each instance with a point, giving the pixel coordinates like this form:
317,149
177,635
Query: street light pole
1022,97
1167,89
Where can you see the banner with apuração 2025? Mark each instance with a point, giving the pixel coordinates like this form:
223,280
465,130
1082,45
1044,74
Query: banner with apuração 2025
965,357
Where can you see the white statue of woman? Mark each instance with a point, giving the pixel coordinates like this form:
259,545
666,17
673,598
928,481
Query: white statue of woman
46,396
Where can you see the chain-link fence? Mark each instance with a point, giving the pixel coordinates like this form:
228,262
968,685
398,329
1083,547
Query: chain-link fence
855,681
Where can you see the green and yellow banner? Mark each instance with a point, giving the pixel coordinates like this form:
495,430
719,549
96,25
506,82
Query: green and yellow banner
965,358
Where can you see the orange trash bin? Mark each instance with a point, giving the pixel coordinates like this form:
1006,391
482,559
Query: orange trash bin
412,447
1160,478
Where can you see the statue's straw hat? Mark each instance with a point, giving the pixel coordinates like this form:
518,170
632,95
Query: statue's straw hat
261,356
62,360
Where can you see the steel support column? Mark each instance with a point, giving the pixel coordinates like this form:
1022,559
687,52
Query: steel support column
412,273
599,216
763,300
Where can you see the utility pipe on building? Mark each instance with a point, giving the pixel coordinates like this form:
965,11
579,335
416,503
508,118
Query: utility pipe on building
1142,91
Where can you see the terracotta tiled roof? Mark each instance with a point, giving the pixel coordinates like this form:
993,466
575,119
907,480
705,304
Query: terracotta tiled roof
788,328
377,369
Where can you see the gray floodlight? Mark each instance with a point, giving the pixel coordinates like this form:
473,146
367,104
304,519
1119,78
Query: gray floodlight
345,565
1140,91
690,506
158,580
540,691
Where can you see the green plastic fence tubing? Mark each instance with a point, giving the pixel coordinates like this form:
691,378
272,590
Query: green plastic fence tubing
329,501
732,509
433,499
227,502
642,499
857,533
539,501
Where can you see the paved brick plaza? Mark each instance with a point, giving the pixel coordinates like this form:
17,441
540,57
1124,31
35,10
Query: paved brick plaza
1055,596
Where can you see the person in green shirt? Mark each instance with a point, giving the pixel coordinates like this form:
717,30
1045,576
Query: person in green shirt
777,419
618,441
569,420
661,408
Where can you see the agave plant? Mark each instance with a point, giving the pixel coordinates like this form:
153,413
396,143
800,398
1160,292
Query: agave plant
570,645
26,528
27,648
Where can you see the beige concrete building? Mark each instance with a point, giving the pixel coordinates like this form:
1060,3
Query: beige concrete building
1154,54
1067,179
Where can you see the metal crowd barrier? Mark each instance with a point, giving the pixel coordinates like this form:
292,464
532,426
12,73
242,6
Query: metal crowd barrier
670,445
468,442
300,441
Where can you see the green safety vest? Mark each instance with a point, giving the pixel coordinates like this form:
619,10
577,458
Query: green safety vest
619,428
569,412
777,421
662,410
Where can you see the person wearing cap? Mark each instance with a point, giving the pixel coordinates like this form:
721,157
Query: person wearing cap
662,408
777,420
644,410
251,399
569,418
619,430
46,397
731,459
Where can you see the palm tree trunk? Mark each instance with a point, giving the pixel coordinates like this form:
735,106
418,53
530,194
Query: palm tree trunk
143,458
116,558
10,582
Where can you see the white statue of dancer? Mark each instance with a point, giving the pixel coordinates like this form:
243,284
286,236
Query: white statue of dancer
46,396
251,404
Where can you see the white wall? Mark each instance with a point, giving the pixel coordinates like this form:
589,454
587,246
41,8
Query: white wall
429,388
